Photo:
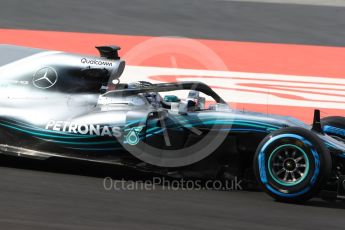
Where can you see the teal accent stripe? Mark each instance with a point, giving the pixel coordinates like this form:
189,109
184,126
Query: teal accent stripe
209,119
227,123
81,143
45,135
26,128
97,149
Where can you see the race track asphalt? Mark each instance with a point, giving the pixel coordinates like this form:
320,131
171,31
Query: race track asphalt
70,195
212,19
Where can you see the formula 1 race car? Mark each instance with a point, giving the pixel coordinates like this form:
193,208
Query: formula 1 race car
56,104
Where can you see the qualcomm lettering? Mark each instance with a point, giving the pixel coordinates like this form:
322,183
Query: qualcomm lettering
84,129
96,62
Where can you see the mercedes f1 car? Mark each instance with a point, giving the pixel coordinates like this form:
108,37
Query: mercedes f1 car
57,104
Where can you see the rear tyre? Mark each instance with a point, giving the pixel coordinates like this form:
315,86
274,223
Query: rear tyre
292,164
334,126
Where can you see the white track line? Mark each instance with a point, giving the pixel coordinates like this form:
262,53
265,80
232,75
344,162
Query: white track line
255,88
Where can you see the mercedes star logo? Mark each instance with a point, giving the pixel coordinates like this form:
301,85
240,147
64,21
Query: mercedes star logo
45,78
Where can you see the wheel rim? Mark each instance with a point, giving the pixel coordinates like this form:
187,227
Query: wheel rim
288,165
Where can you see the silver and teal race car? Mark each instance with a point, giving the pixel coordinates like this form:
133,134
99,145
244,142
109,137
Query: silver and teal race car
56,104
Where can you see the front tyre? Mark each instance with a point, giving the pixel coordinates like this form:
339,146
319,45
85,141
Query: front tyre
292,164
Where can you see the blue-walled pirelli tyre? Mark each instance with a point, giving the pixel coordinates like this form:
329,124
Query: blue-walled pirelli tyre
334,126
292,164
